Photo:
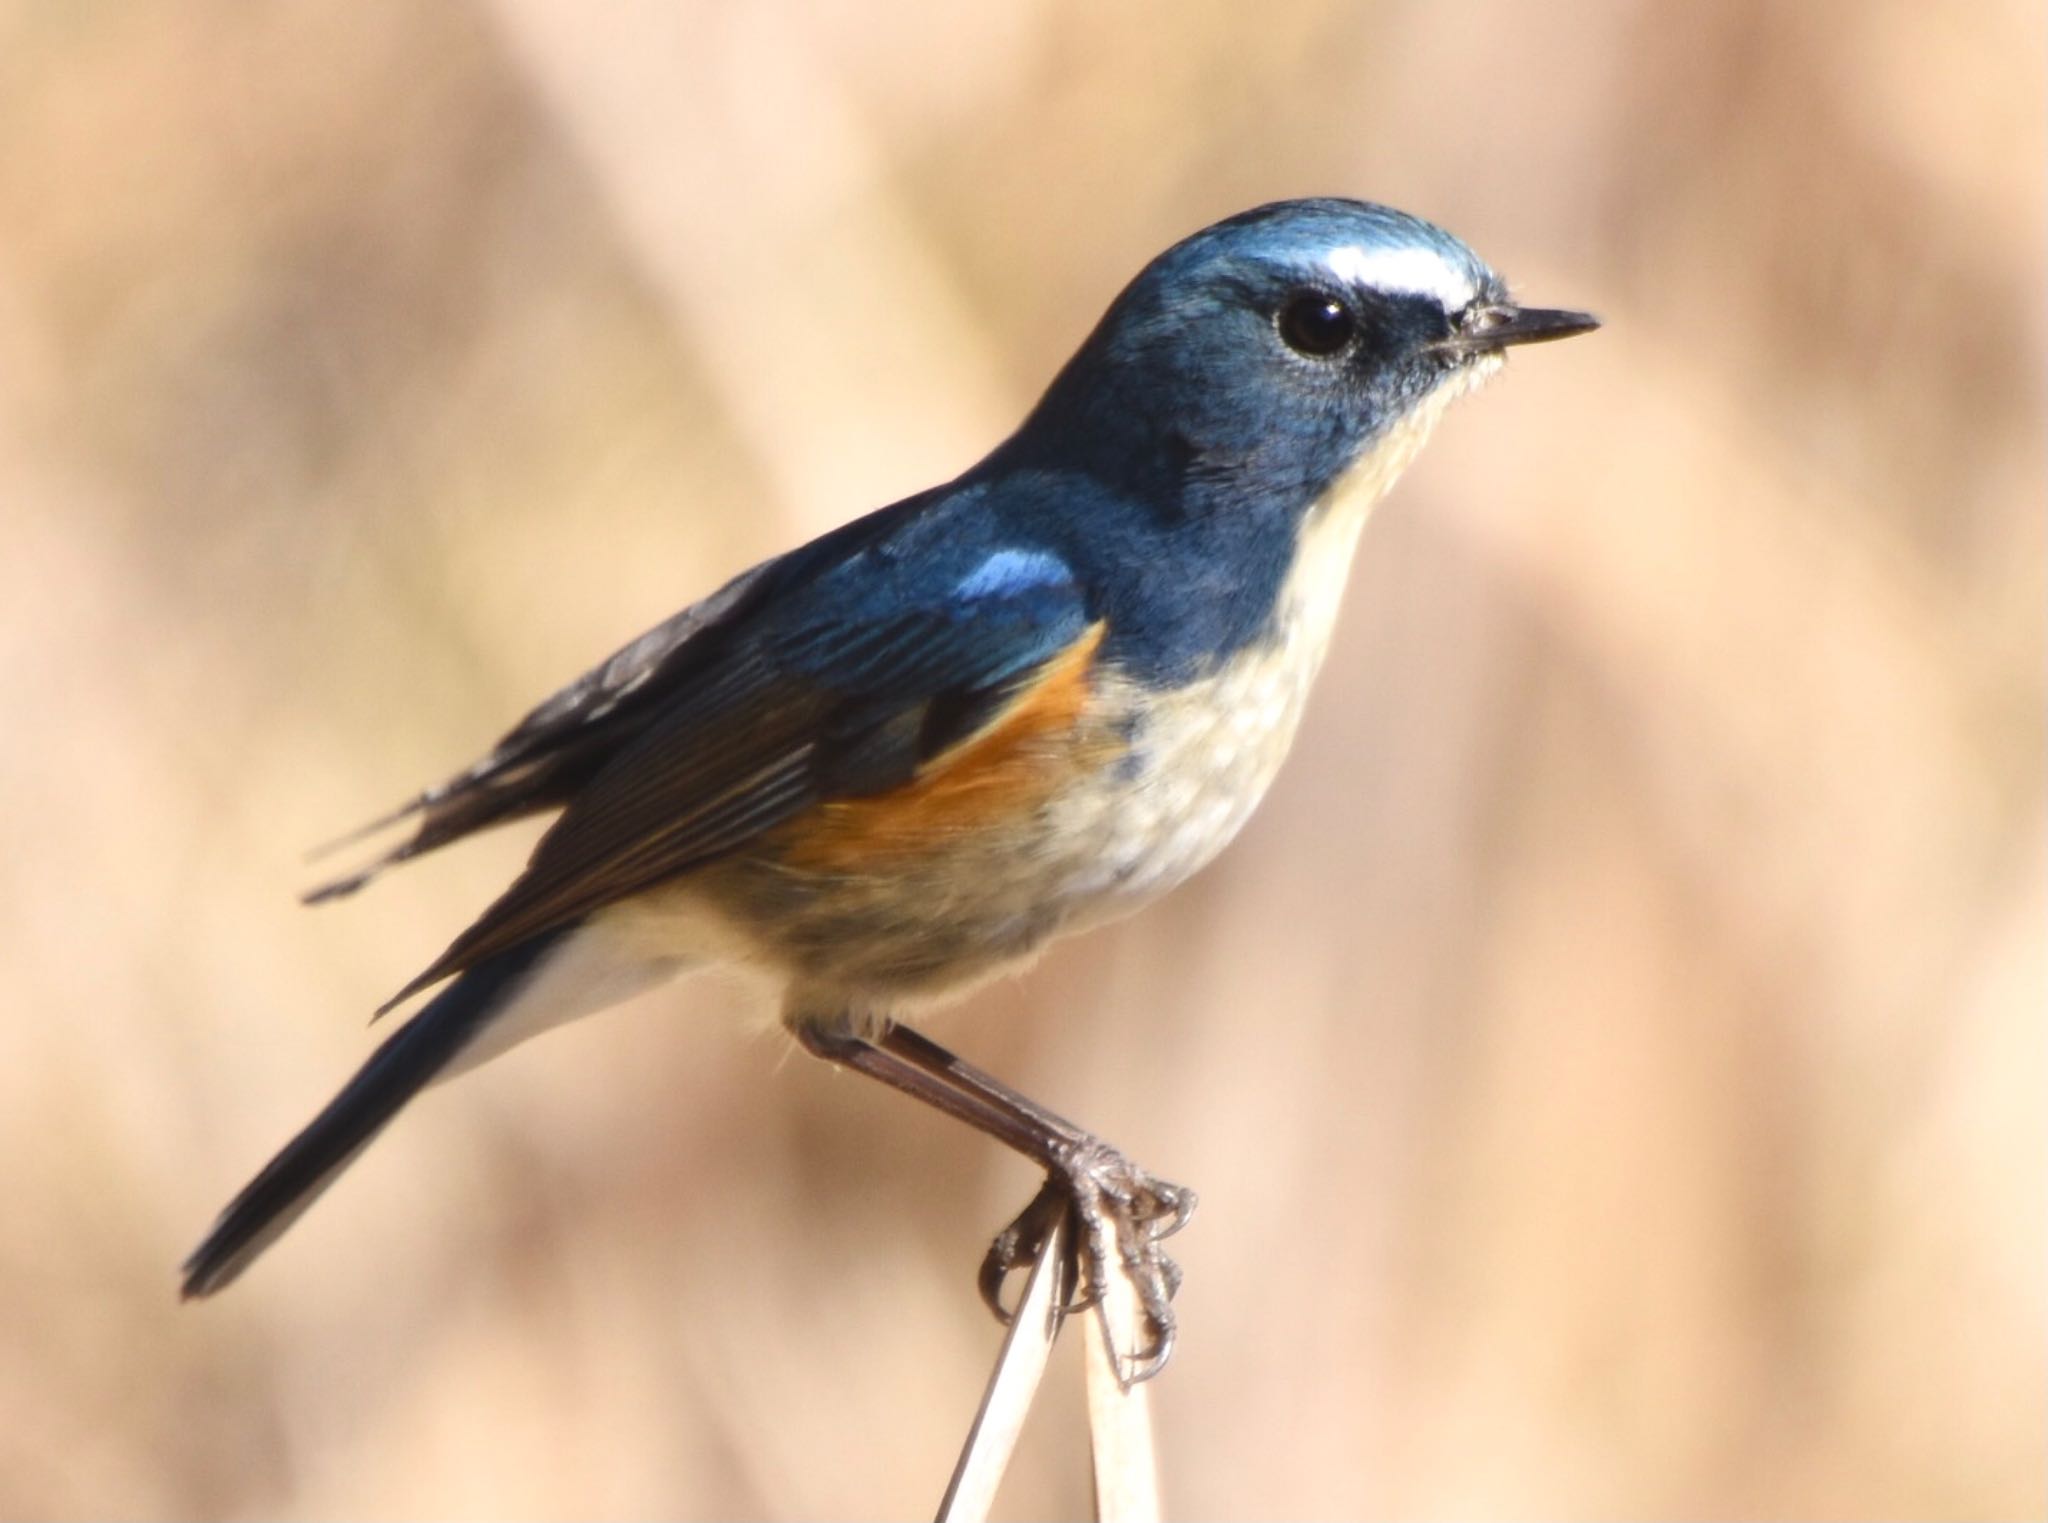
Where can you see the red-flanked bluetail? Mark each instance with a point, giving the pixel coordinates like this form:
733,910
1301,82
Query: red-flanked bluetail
890,764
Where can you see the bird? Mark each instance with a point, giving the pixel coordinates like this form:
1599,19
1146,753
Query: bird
891,764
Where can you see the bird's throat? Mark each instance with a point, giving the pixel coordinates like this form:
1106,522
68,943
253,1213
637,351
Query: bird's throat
1327,542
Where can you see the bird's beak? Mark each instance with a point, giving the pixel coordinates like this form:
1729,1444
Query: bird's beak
1486,329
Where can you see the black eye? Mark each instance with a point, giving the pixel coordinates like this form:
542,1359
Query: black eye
1316,323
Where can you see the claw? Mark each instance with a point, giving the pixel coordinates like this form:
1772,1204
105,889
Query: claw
1176,1207
1140,1365
1018,1245
1120,1215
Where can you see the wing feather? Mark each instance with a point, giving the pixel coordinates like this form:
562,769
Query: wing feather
814,702
541,760
544,760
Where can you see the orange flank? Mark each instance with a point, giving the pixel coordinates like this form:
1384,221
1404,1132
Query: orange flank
1000,773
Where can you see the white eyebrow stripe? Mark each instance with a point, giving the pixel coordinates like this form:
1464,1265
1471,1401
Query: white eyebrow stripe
1409,268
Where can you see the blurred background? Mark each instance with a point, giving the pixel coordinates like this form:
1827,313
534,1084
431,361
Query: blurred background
1612,1062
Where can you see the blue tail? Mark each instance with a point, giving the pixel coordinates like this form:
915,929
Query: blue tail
396,1071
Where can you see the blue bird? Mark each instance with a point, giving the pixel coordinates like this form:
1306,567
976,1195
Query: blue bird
899,760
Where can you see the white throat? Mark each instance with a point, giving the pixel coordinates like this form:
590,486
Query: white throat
1314,589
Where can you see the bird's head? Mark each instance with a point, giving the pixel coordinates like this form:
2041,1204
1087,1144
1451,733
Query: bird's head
1286,344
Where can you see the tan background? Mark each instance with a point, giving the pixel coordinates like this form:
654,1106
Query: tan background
1612,1062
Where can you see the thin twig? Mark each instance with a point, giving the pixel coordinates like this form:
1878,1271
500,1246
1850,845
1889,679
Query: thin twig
1011,1385
1119,1416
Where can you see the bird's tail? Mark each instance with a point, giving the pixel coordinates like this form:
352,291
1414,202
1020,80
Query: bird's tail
410,1059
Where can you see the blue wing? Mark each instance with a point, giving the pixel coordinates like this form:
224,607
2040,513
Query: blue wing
858,670
541,762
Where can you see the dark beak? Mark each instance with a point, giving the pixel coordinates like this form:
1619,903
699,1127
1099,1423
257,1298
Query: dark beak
1484,329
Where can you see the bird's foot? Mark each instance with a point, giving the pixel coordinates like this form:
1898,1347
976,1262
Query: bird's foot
1120,1215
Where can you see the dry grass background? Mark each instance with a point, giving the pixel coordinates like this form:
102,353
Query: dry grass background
1613,1060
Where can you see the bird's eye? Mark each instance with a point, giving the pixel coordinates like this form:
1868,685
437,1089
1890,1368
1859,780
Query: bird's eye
1317,324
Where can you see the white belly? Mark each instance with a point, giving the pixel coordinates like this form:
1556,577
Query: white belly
1205,756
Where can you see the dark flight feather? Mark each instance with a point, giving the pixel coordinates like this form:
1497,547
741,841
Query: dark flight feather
808,701
544,759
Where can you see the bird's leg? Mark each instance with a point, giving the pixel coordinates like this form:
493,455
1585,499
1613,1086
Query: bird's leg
1121,1211
1156,1206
